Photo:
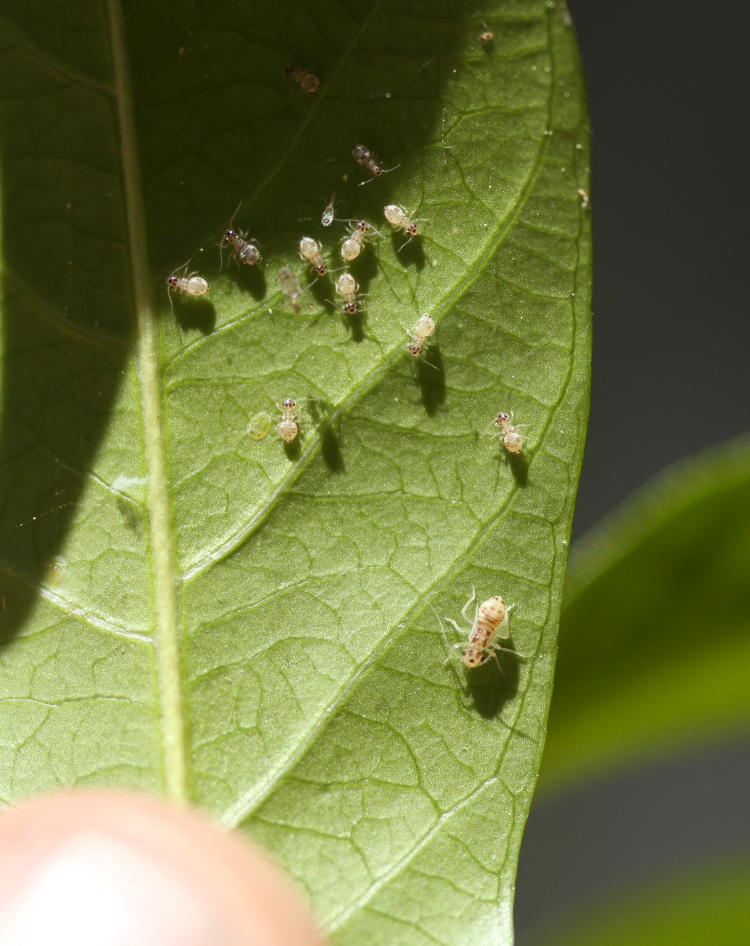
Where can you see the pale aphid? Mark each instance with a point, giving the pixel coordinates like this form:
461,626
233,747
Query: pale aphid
188,284
259,426
423,328
355,242
328,215
486,37
288,426
346,287
510,435
304,78
309,250
490,624
399,219
362,155
290,287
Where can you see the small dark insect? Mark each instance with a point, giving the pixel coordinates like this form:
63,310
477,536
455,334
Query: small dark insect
305,79
362,155
245,251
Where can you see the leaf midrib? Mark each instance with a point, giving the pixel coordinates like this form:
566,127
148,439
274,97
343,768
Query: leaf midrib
161,537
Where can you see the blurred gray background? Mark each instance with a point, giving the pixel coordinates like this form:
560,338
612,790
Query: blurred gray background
668,93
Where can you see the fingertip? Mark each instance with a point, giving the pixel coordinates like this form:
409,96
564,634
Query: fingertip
95,868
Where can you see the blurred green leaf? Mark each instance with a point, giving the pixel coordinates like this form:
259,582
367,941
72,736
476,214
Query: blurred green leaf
255,629
710,905
655,636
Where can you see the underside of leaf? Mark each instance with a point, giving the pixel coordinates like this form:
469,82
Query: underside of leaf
253,627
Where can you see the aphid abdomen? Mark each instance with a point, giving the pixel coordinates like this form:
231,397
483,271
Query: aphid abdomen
287,430
249,254
196,286
350,249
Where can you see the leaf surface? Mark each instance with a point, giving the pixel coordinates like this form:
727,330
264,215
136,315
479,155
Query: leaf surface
254,628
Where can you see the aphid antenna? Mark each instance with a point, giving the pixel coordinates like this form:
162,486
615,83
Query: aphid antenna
493,427
384,171
177,271
448,646
338,269
454,657
236,211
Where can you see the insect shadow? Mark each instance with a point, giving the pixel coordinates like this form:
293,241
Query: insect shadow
365,268
430,372
491,687
411,252
131,514
321,289
293,449
330,441
519,467
250,279
355,322
199,314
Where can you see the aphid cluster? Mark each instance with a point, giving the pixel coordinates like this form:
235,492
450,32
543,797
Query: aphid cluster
489,625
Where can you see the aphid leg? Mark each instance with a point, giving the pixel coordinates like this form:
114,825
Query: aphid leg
468,604
499,665
504,624
413,236
452,657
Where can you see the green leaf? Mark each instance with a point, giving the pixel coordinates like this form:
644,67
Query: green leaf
654,643
254,628
708,905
